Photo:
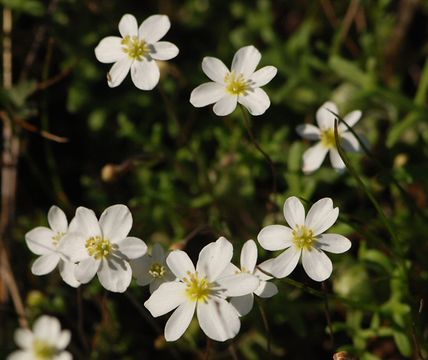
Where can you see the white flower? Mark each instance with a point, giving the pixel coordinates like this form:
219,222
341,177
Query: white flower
241,85
304,238
314,156
243,304
152,269
102,247
46,241
137,49
203,289
45,342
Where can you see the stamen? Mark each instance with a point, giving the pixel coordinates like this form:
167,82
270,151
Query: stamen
303,237
328,139
135,48
157,270
236,84
99,248
57,237
44,350
198,289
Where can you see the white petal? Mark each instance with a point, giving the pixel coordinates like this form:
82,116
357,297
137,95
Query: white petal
66,270
72,246
231,269
145,74
45,264
119,71
115,274
246,60
266,289
350,142
158,253
207,94
262,76
57,219
294,212
116,222
179,321
214,258
128,25
109,50
63,339
308,131
255,100
336,160
215,69
154,28
238,284
249,256
313,157
86,270
21,355
47,328
282,265
85,223
316,264
65,355
321,216
243,304
334,243
351,119
275,237
325,118
225,105
132,247
166,298
39,240
180,264
140,270
164,50
23,338
218,319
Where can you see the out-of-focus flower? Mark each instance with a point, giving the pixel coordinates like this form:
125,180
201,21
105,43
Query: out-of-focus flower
240,85
103,247
152,269
137,50
304,238
324,134
46,242
46,342
244,304
203,290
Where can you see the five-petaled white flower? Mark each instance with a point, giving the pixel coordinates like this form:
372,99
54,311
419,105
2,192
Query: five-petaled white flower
45,342
203,289
46,242
314,156
137,49
304,238
152,269
241,85
244,304
103,247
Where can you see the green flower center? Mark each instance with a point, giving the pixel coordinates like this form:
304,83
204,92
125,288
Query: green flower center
99,248
198,289
236,84
44,350
303,237
157,270
57,237
328,139
136,48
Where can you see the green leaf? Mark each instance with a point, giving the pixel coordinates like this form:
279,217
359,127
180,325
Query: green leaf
403,343
31,7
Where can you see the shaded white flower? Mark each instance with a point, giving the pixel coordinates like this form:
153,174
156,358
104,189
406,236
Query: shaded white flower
152,269
203,290
324,133
103,247
304,238
243,304
137,50
46,342
240,85
46,242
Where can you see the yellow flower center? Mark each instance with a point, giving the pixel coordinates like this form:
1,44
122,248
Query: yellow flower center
57,237
136,48
44,350
157,270
99,248
198,289
303,237
328,139
236,84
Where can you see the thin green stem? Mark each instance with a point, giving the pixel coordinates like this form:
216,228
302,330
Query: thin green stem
327,313
267,328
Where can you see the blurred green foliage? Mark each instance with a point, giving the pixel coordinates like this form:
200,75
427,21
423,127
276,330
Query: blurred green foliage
189,176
